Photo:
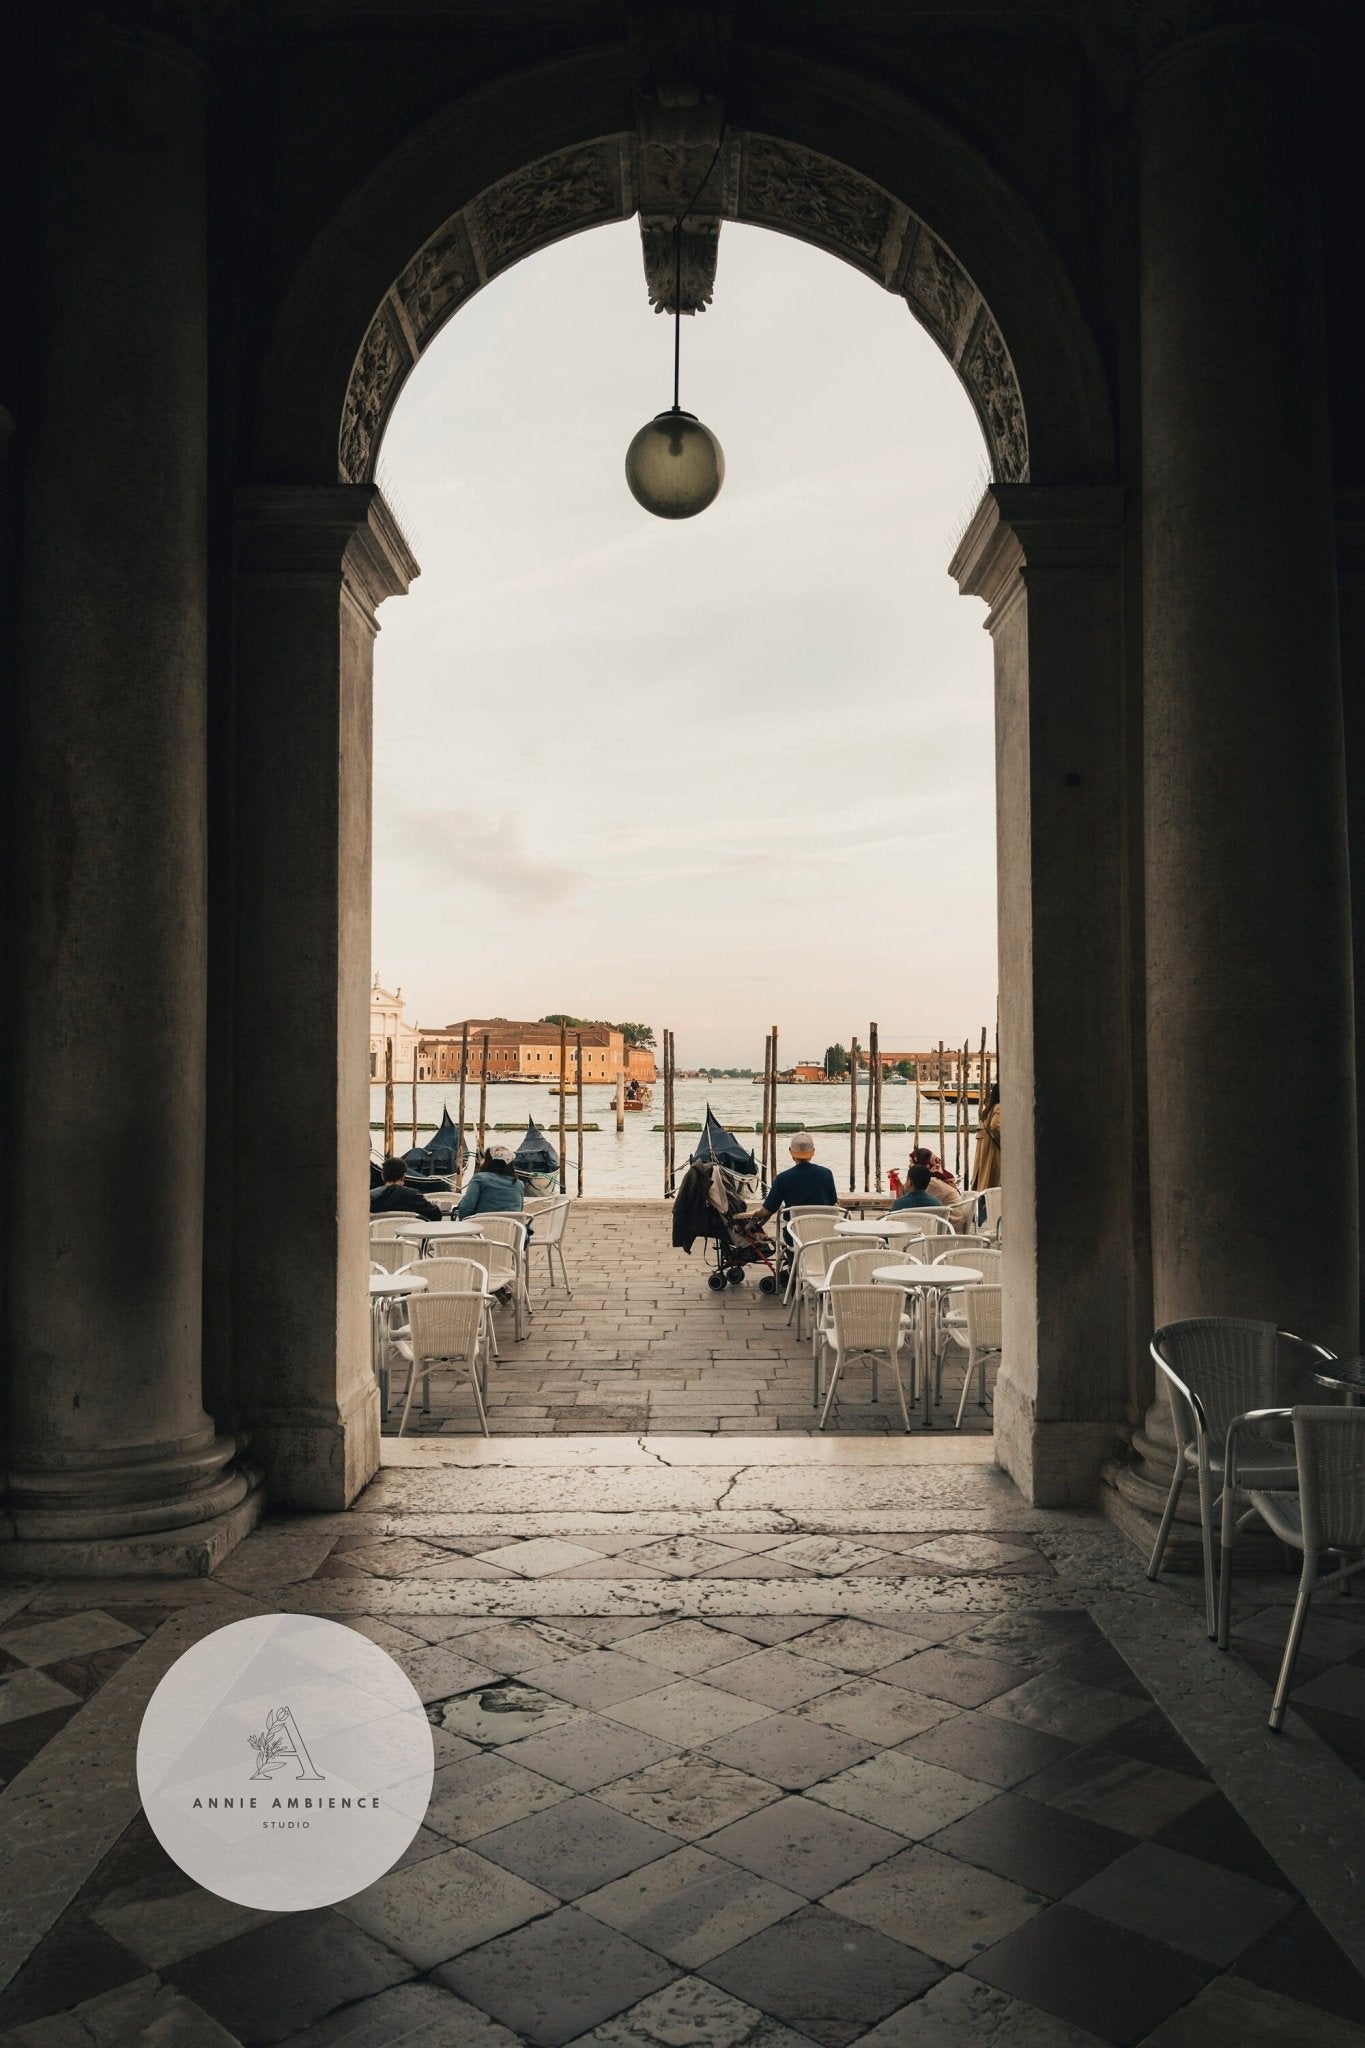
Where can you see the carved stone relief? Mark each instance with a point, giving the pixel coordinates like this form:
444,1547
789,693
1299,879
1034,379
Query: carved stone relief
695,276
384,360
812,196
988,373
573,189
438,277
940,292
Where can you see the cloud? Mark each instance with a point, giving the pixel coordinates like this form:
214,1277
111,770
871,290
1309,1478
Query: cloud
444,849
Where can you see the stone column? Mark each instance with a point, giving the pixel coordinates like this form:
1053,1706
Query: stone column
111,1462
1250,1028
313,564
1047,562
1351,609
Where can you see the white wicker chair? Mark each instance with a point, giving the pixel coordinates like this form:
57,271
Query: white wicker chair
390,1221
551,1222
951,1327
809,1267
982,1306
1326,1514
845,1269
446,1329
444,1274
503,1268
505,1227
391,1253
868,1323
1221,1372
799,1226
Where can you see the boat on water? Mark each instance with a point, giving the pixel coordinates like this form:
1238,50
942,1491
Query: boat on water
639,1095
536,1161
951,1094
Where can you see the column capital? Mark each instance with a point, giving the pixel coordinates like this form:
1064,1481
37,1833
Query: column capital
345,531
1018,527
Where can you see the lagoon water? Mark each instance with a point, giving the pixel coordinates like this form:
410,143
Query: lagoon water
631,1163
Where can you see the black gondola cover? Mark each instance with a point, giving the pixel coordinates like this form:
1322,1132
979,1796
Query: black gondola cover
535,1153
717,1143
446,1153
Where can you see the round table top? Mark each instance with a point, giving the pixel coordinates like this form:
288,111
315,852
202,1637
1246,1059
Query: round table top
422,1231
886,1227
912,1274
1343,1372
384,1284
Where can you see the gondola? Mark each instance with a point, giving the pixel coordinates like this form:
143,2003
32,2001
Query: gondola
446,1152
720,1145
536,1161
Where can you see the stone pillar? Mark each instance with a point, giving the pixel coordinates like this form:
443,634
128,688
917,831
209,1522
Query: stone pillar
1047,562
1351,610
1250,1028
111,1464
313,564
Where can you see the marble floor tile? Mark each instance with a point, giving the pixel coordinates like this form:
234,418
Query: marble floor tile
861,1646
519,1646
487,1790
1043,1848
1339,1690
74,1635
539,1557
833,1555
789,1752
415,2015
1063,1706
691,1906
274,1981
689,1795
804,1846
1116,1984
1333,1641
947,1909
1205,1912
687,1712
28,1692
1116,1791
960,2012
823,1975
984,1746
971,1553
503,1713
904,1793
589,1751
775,1678
687,1648
1231,2013
142,2010
445,1904
576,1847
685,1555
438,1673
960,1676
878,1713
556,1978
597,1678
161,1920
691,2014
765,1628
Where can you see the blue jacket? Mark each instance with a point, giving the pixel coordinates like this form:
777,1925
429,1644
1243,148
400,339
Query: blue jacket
490,1191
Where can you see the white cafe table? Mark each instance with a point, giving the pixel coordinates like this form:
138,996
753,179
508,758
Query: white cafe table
931,1281
418,1232
384,1288
885,1227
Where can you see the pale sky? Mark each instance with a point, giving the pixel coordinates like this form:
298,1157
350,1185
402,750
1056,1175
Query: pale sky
687,772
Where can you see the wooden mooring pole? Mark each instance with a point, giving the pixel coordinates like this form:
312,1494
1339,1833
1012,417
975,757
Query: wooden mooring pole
877,1134
578,1060
414,1095
871,1091
942,1090
917,1106
853,1117
388,1098
483,1101
464,1075
772,1109
563,1099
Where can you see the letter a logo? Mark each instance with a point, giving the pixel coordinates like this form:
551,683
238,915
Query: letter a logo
280,1743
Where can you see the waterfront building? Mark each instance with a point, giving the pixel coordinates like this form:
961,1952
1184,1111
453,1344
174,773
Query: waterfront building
388,1026
530,1052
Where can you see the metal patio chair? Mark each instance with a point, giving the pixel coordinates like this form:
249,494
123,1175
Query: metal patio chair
1326,1514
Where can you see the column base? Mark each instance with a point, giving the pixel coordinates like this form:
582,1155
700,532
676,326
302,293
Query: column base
191,1551
319,1460
1133,1494
1053,1464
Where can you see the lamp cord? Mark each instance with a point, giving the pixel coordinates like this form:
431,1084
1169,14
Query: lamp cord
677,265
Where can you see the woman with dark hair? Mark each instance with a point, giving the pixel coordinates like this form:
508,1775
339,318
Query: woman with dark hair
986,1170
494,1186
942,1184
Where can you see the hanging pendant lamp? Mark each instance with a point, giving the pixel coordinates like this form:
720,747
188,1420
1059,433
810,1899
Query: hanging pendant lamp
675,466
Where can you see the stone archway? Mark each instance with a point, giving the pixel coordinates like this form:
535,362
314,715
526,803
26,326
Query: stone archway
460,203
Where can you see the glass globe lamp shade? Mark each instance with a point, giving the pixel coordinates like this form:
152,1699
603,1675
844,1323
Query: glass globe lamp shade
675,466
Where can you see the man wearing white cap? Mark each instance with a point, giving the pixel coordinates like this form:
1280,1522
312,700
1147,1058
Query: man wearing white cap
803,1184
494,1186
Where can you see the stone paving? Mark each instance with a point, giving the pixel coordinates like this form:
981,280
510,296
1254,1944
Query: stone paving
643,1344
750,1745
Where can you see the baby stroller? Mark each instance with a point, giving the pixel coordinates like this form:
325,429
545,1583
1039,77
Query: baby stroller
720,1181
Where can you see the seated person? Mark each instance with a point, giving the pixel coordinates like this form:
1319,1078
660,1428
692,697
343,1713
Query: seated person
942,1186
917,1195
494,1186
801,1185
393,1197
